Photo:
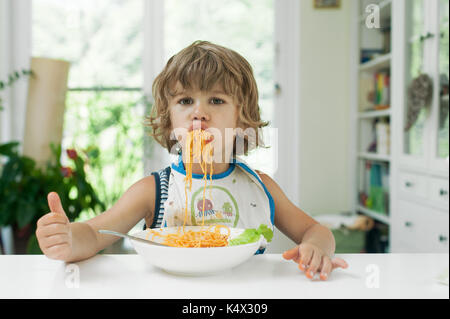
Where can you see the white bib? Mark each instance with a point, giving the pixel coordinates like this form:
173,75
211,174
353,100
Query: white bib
236,198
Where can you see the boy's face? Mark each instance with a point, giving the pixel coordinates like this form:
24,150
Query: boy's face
213,111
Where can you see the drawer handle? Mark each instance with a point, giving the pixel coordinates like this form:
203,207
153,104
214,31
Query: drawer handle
442,238
408,184
443,192
408,224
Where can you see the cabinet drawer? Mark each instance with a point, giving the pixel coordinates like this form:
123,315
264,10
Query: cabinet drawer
424,229
436,232
409,228
413,185
439,191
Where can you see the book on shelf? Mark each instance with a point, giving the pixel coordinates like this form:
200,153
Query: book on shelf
380,143
375,193
374,91
382,91
369,54
383,137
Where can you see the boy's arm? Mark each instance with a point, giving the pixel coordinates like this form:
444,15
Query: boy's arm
136,203
294,222
316,243
72,242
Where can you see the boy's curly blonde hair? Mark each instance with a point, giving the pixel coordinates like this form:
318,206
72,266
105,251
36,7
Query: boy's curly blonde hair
202,65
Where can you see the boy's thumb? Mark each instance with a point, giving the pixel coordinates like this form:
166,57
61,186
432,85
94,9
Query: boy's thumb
55,203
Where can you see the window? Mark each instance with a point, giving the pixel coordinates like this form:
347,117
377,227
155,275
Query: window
244,26
103,115
104,41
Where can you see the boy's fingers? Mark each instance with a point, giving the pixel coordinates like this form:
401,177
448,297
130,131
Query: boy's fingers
52,229
55,203
306,253
52,218
325,268
339,262
57,239
59,252
291,253
314,265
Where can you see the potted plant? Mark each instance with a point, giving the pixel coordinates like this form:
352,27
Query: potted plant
24,187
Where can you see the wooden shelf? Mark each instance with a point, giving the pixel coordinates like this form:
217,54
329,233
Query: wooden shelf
373,114
374,157
375,215
381,62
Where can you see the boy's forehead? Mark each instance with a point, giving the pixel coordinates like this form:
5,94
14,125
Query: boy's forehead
179,89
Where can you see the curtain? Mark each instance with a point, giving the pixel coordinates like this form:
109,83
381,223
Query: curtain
15,52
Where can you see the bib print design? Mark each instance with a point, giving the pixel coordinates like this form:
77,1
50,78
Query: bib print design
235,198
222,210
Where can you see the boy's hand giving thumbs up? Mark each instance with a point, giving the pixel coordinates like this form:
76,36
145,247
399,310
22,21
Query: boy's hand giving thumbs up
53,231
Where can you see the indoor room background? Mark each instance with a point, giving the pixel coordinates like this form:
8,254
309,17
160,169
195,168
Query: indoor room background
356,93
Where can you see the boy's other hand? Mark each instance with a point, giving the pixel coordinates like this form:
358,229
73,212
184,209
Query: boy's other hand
53,230
311,259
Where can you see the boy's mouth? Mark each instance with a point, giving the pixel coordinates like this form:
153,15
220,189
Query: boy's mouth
198,125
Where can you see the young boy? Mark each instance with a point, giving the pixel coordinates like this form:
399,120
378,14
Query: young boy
212,88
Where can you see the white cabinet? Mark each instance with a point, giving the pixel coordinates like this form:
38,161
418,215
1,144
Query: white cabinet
411,184
420,214
418,160
439,192
424,146
418,228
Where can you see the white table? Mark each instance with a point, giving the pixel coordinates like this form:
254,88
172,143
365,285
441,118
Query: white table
263,276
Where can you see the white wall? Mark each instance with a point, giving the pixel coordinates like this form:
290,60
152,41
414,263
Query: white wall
324,110
323,115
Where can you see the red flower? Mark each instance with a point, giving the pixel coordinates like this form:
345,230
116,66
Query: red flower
66,171
72,153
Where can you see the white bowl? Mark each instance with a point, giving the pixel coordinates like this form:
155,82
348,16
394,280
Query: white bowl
194,261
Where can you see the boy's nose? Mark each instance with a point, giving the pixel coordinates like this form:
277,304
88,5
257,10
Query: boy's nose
199,113
198,117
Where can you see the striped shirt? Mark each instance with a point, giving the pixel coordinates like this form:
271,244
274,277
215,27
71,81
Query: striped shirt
162,190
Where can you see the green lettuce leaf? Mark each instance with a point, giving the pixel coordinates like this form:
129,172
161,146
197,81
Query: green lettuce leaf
251,235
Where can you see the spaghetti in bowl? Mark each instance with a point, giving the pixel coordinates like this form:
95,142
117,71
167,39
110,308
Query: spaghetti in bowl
194,261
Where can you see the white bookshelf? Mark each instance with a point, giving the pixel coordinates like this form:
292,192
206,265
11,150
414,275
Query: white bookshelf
375,215
374,157
380,62
374,114
363,116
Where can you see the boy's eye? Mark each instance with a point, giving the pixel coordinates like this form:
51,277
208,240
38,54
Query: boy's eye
216,100
185,101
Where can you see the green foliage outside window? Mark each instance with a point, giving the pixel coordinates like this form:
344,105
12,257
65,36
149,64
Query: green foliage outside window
108,126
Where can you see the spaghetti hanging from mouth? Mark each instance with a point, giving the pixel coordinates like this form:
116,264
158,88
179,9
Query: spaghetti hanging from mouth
199,150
